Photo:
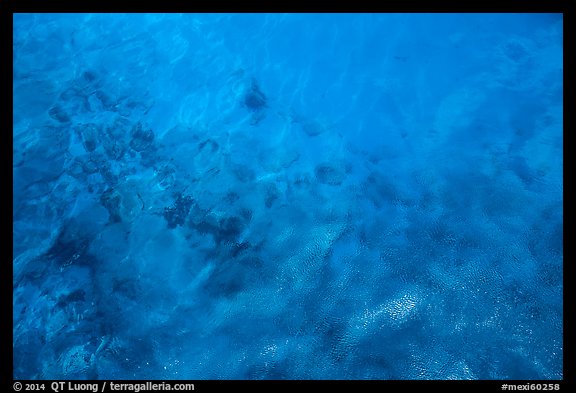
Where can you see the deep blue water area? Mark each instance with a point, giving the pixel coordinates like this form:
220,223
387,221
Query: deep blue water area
287,196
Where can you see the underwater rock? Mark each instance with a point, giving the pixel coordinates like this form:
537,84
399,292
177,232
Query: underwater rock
254,99
74,101
142,138
76,170
313,128
231,197
104,99
88,134
328,174
204,223
111,200
87,79
119,129
128,288
176,214
312,125
90,165
81,167
58,113
69,94
98,162
115,138
224,230
272,194
208,145
239,248
243,173
71,246
246,214
77,363
166,176
520,168
108,174
230,229
150,157
115,150
76,296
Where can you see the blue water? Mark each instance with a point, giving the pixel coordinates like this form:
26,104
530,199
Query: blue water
287,196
